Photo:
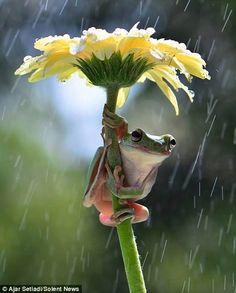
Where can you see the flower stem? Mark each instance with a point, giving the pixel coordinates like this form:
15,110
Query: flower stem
125,232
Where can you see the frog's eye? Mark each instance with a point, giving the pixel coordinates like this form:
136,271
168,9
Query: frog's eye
136,135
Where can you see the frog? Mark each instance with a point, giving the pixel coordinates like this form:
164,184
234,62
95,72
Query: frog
141,155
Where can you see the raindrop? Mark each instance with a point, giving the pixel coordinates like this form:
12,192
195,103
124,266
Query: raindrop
88,260
41,269
82,25
46,5
213,285
115,285
199,219
12,42
197,44
213,187
199,188
226,9
154,254
189,175
3,112
232,193
226,77
186,7
149,273
229,223
22,223
225,282
17,161
213,120
146,22
109,238
26,3
192,258
222,192
15,84
223,130
140,7
210,108
234,136
234,245
226,21
206,223
194,202
163,252
211,50
183,288
201,268
145,258
189,283
155,24
63,7
174,172
72,270
220,236
37,17
188,42
4,264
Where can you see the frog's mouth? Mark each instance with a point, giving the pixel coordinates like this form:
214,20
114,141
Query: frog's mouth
164,150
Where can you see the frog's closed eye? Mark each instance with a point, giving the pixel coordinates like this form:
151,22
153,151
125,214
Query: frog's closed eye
137,135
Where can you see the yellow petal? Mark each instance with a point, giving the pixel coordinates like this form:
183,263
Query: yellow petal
30,63
122,96
165,89
169,74
37,75
129,44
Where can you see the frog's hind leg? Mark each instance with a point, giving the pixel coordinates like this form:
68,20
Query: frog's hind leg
134,211
141,213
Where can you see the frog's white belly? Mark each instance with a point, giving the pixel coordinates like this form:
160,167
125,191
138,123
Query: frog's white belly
140,167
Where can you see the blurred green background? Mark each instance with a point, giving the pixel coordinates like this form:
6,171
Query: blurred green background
49,132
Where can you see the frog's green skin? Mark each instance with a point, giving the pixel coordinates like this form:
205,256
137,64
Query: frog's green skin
141,155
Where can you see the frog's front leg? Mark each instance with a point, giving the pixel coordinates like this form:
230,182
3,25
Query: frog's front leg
115,183
130,210
116,122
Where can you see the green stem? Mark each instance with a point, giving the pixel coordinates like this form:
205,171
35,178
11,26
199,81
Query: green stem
125,232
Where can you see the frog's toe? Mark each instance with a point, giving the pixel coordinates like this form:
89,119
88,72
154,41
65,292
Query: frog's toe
117,218
122,215
106,220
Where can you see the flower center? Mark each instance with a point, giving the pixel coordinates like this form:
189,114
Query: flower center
122,72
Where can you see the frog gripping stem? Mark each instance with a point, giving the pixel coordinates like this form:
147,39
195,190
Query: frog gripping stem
124,229
114,121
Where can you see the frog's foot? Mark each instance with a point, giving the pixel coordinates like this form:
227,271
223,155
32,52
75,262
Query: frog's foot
137,212
141,213
117,218
118,176
111,119
115,121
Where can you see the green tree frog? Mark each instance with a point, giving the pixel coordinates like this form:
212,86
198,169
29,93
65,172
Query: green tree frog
141,155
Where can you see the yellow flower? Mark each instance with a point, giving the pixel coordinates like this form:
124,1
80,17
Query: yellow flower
121,57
